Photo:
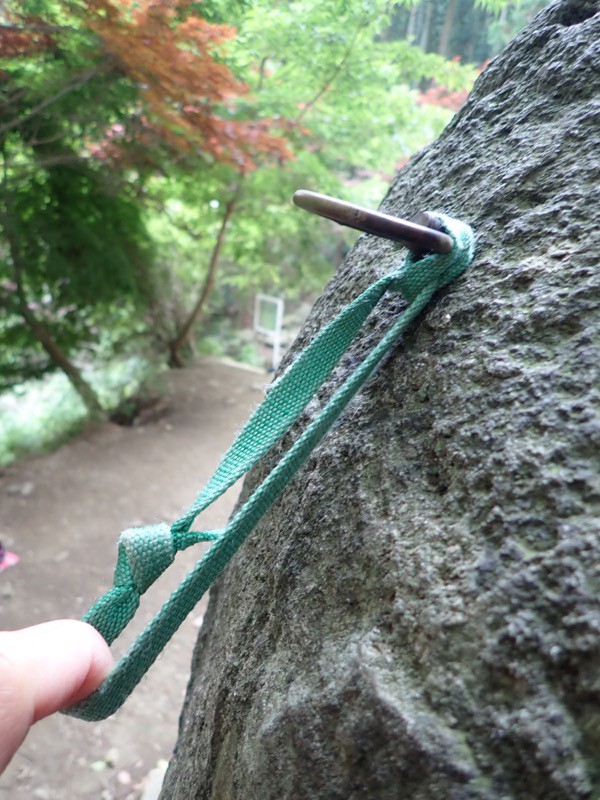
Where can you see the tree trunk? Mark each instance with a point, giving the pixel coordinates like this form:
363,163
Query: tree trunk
182,336
447,28
419,616
425,35
62,362
413,21
58,357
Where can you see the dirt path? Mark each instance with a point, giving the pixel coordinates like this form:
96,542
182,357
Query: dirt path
62,514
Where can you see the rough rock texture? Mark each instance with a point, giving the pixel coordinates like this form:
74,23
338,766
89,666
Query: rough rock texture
419,617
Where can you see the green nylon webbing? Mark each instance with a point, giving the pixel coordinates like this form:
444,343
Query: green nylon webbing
144,553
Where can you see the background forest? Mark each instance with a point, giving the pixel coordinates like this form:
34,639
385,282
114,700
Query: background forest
149,152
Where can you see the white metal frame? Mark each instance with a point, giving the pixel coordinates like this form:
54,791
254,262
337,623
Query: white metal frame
273,334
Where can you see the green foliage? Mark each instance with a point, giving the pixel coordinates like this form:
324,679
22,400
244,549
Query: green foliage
346,97
38,415
495,6
108,231
221,339
75,243
78,240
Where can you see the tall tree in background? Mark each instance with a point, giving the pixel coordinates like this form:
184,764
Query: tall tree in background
419,616
471,30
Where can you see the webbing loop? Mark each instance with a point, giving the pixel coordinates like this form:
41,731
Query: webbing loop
144,553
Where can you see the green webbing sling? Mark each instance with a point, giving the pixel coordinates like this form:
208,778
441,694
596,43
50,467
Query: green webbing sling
144,553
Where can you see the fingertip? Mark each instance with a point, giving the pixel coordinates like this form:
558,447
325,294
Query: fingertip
100,661
79,664
43,669
59,663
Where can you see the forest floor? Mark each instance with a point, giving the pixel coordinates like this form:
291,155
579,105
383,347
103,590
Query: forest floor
62,514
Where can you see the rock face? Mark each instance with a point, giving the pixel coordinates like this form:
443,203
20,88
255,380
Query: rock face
419,616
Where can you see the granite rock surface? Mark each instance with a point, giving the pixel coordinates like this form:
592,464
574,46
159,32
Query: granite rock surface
419,616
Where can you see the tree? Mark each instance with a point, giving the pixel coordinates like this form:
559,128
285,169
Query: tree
472,30
96,97
87,89
302,63
419,617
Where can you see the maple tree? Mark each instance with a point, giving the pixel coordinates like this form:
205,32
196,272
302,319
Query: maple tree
79,82
18,41
186,90
128,125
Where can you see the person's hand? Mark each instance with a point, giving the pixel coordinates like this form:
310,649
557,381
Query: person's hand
43,669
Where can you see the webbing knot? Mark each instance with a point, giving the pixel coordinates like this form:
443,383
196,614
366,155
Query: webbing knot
144,554
436,270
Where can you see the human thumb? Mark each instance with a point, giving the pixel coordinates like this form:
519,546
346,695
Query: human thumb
43,669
